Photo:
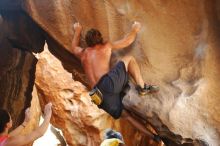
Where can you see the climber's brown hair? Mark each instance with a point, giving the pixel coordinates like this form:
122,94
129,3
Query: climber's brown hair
93,37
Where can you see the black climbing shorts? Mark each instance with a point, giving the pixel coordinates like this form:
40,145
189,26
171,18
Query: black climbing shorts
111,85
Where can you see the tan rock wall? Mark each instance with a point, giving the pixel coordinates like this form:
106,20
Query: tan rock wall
80,120
17,65
177,49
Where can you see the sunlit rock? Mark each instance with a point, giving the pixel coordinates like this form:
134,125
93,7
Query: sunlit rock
177,49
81,122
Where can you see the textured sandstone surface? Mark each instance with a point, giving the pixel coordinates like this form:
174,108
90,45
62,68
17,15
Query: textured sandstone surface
69,98
80,120
18,38
17,64
35,111
177,48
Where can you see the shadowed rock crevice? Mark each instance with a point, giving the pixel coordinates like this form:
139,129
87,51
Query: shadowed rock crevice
69,62
19,37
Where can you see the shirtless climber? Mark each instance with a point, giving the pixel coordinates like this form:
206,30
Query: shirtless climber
108,83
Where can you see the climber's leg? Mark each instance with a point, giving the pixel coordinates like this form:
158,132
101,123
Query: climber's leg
133,69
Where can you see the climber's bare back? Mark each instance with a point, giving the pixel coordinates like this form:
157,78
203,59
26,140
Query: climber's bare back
96,62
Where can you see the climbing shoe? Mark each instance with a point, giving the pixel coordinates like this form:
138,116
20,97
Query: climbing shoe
147,89
96,96
156,138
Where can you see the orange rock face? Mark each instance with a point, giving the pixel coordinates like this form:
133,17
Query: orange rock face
69,99
73,112
177,48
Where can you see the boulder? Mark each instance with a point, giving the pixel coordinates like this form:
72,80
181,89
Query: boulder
81,122
177,49
17,64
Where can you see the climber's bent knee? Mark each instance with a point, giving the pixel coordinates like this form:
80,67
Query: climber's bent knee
126,60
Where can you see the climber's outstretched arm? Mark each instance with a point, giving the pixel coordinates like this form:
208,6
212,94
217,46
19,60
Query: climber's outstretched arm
75,48
128,39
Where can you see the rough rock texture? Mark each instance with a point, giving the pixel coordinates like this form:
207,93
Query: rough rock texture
56,85
35,111
18,38
19,35
17,65
177,48
80,120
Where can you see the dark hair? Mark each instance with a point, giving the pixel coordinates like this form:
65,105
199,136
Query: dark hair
93,37
4,119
